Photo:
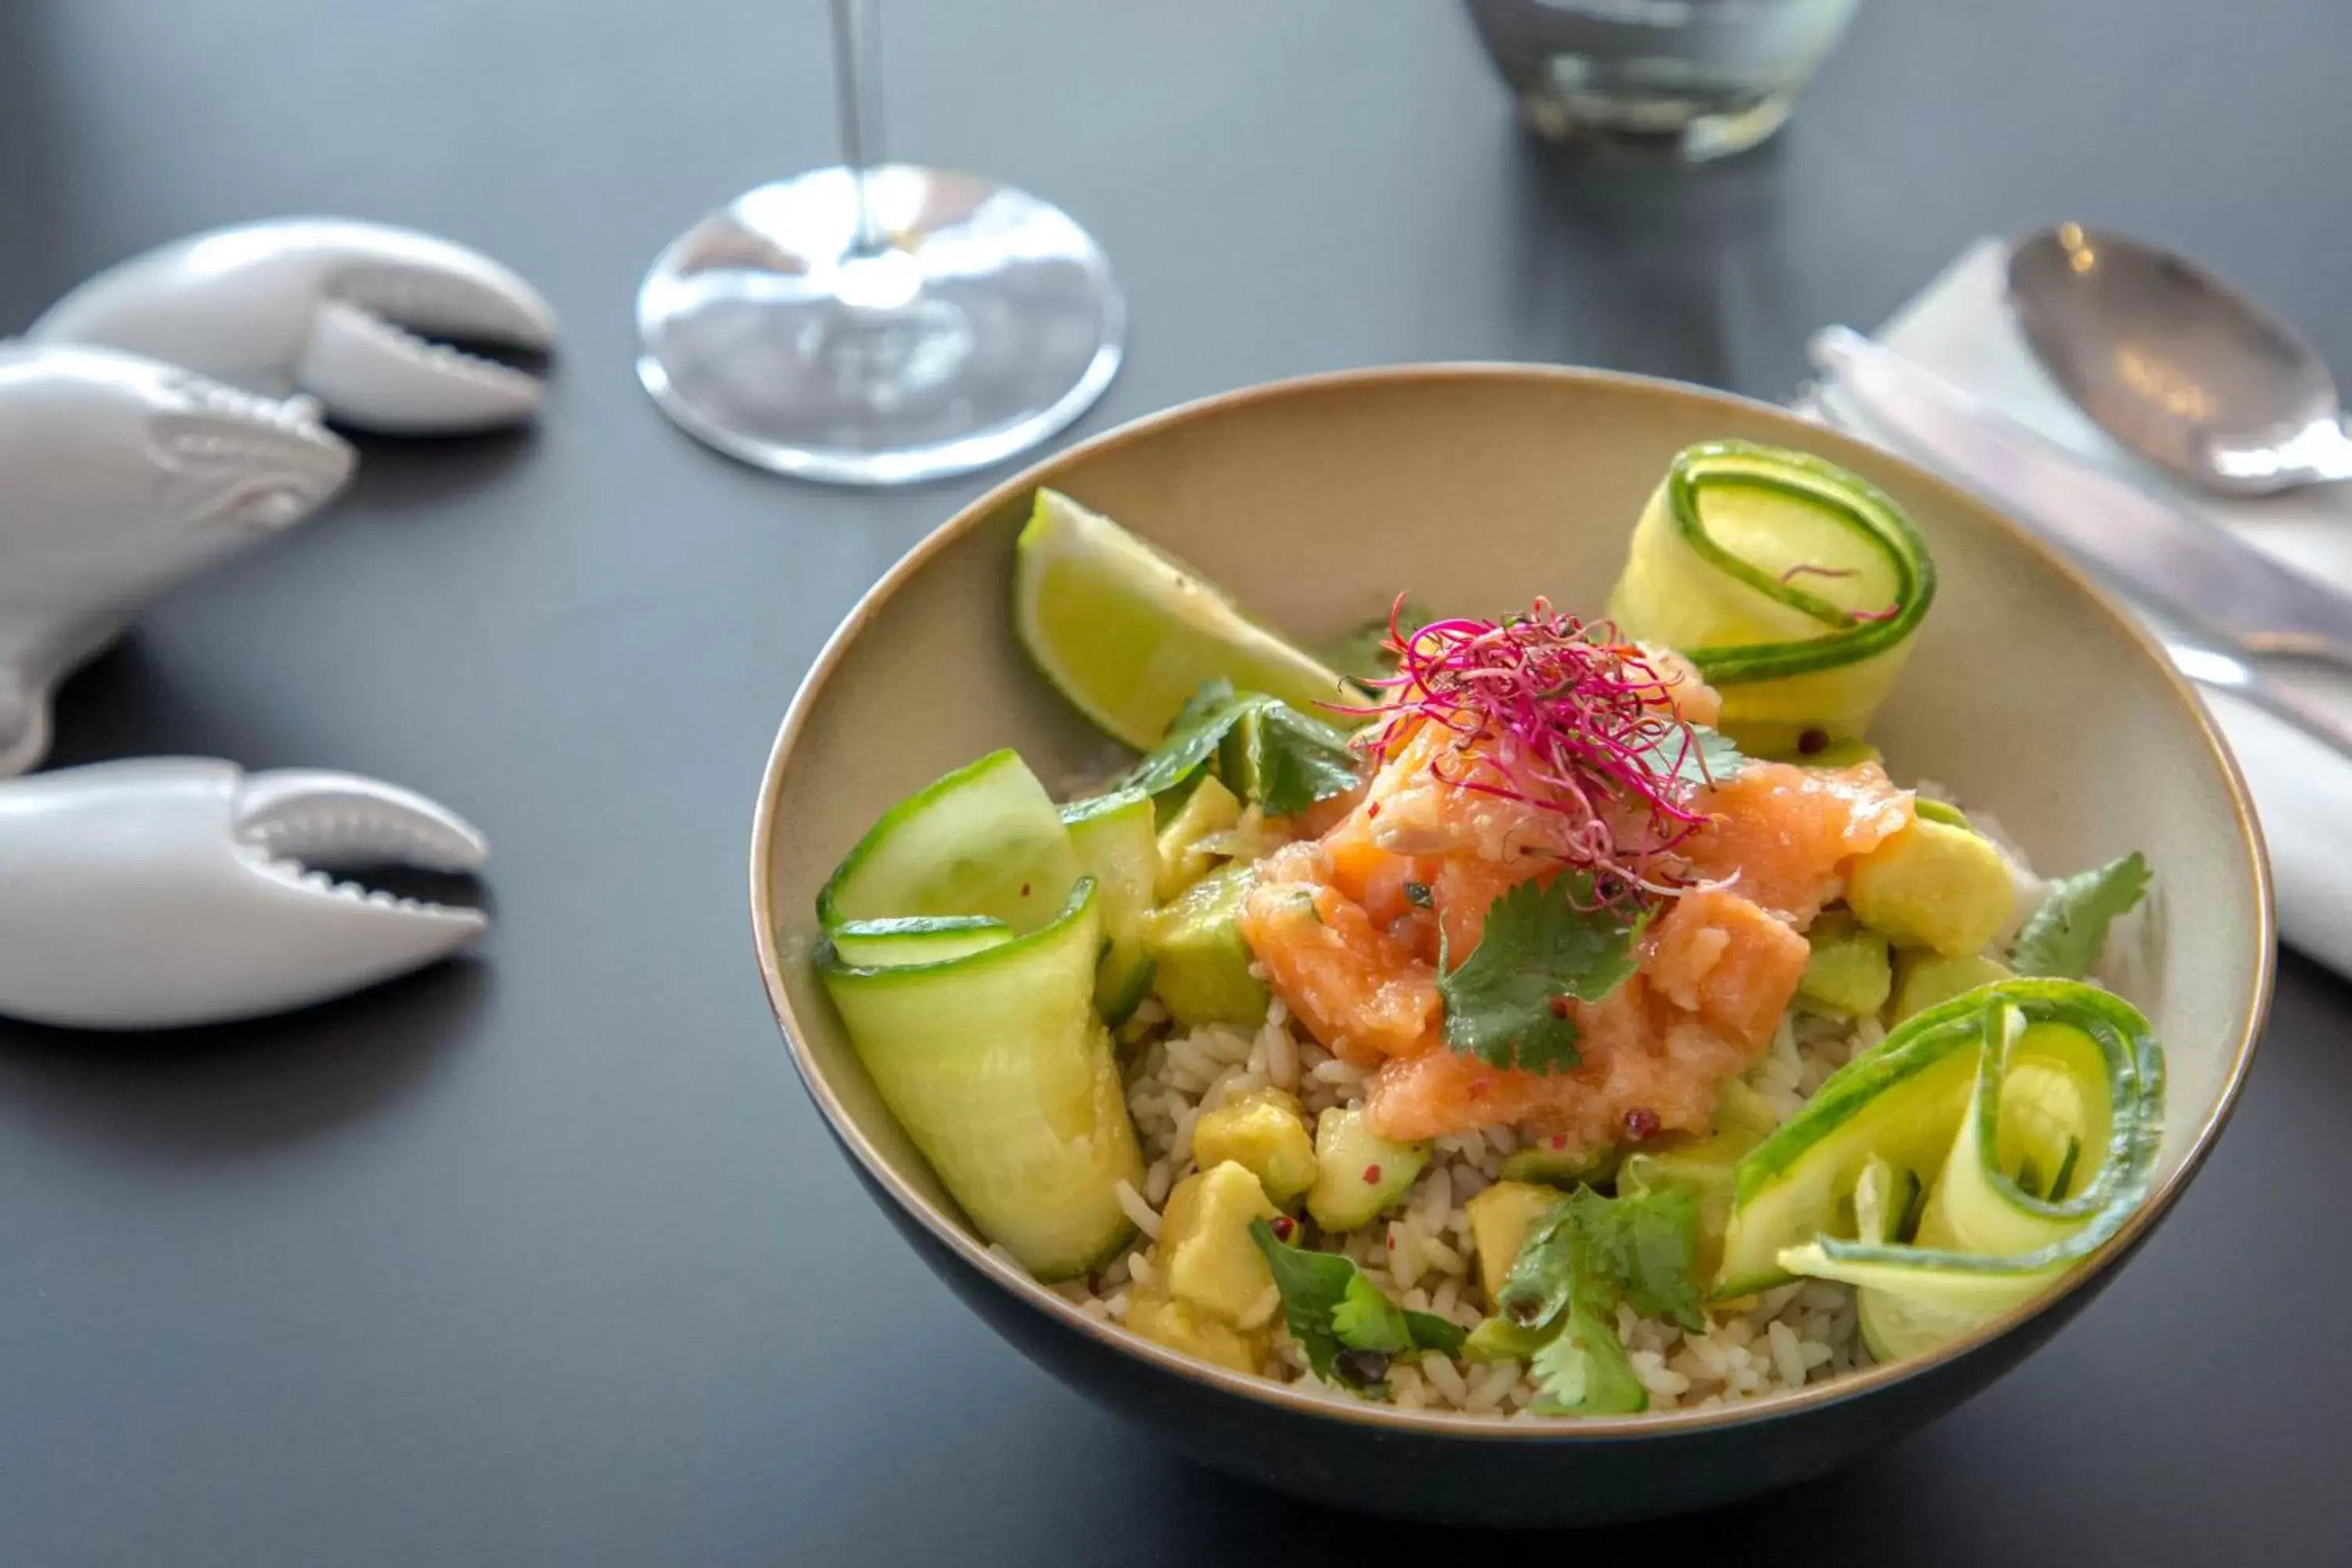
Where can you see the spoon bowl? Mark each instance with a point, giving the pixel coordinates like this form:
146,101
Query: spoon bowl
2176,366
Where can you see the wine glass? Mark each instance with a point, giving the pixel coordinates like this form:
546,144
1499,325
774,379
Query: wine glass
878,323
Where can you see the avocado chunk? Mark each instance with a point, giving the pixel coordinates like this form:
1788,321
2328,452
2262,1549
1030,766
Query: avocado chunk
1210,808
1200,964
1934,885
1929,978
1358,1171
1264,1133
1205,1252
1561,1166
1500,1218
1738,1105
1499,1339
1850,970
1157,1316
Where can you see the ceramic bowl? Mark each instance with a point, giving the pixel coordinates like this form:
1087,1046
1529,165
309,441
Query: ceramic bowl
2030,695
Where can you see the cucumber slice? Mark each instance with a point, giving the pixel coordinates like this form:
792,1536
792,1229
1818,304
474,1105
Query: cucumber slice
984,840
999,1069
1967,1095
879,944
1894,1325
1118,847
1901,1107
1774,572
1127,633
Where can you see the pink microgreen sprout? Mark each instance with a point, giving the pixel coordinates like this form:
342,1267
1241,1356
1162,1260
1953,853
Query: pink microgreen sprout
1563,715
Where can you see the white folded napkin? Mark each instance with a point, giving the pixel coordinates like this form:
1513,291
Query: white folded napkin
1959,327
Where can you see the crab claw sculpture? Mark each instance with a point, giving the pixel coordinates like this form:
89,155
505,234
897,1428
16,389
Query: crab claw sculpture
337,310
178,891
119,477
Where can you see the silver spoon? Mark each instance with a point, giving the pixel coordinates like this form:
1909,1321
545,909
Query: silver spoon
2176,364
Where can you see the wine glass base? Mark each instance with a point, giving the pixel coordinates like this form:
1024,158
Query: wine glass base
985,322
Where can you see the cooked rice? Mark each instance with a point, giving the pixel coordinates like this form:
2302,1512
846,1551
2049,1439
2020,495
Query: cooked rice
1422,1256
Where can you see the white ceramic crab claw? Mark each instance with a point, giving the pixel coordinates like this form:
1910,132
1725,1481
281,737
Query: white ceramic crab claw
327,307
119,477
175,891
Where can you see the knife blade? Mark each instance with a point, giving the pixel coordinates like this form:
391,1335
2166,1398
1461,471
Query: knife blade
2207,663
2179,562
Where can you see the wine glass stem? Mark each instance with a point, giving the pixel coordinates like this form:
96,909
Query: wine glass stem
857,43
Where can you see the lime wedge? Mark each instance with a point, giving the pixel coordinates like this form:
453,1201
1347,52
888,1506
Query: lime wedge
1127,633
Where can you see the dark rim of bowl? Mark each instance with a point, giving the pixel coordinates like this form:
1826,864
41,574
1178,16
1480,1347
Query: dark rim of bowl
1292,1397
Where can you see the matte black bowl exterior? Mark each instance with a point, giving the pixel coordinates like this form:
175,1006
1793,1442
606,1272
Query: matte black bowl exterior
1465,484
1540,1475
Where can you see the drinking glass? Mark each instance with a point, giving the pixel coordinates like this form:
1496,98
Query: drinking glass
1690,78
878,323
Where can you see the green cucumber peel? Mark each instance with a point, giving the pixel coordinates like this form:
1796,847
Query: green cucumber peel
915,939
1114,836
1982,1028
1855,503
836,970
985,839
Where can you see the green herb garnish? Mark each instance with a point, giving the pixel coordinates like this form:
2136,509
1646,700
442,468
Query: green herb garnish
1288,760
1710,757
2062,939
1578,1262
1192,737
1265,750
1365,655
1583,1371
1507,1005
1333,1308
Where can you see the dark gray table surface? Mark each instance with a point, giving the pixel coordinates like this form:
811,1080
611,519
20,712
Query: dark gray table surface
541,1258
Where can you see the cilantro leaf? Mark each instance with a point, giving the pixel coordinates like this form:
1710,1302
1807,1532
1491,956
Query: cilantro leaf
2062,938
1313,1285
1285,760
1584,1371
1363,655
1710,757
1192,738
1578,1262
1266,751
1367,1320
1431,1333
1346,1326
1506,1004
1538,1286
1649,1246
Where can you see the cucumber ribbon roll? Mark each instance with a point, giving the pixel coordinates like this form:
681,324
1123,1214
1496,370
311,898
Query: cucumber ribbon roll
963,940
1794,586
1985,1149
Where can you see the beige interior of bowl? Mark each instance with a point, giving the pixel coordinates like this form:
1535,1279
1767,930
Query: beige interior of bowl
1476,490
